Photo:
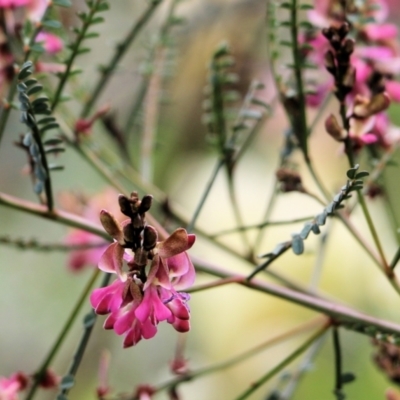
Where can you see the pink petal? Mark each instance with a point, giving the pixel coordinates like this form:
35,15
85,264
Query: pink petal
111,260
36,9
393,88
369,138
182,271
148,329
181,325
132,338
124,322
377,32
152,306
374,52
179,308
110,321
107,299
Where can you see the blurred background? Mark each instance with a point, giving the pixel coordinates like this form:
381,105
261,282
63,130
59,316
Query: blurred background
37,290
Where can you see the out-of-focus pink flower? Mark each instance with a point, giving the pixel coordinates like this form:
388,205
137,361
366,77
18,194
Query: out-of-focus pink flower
376,50
53,68
36,9
10,387
51,43
90,210
103,387
84,125
138,301
13,3
144,392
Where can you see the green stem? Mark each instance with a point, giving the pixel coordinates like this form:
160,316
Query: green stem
38,376
120,50
206,192
88,323
301,130
255,385
47,183
338,363
395,260
259,226
74,53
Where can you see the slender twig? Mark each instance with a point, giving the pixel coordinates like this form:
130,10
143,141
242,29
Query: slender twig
33,244
120,50
255,385
39,375
342,315
206,192
396,259
88,323
259,226
59,216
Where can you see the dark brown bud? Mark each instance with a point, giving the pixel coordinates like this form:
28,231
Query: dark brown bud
348,46
129,233
349,79
329,60
125,205
343,30
150,237
328,32
145,204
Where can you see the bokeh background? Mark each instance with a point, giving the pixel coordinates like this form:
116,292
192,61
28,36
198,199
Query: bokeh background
37,291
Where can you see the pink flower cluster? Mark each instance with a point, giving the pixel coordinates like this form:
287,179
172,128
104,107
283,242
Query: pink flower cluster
144,295
375,59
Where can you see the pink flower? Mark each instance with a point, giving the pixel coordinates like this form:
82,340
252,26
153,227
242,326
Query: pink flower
9,387
143,296
13,3
51,43
36,9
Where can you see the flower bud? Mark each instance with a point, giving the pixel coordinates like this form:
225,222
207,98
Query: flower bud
329,60
150,237
111,225
348,46
129,234
349,79
145,204
125,205
334,129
